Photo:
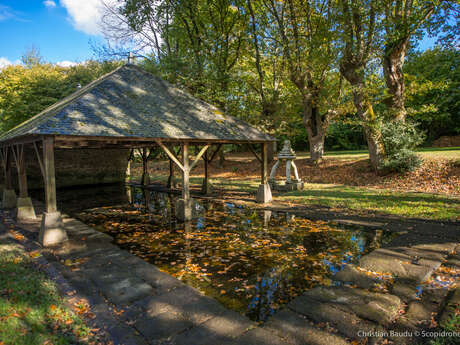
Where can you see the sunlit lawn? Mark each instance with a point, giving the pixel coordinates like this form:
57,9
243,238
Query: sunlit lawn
31,311
425,152
404,204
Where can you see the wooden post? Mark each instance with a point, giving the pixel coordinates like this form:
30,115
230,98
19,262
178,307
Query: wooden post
51,229
22,176
8,179
171,182
25,208
264,193
206,187
9,195
50,178
185,173
184,208
264,165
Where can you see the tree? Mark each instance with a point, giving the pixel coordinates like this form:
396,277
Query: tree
433,91
405,20
304,30
27,90
358,25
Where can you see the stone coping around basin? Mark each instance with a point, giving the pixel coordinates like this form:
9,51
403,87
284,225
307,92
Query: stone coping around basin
135,303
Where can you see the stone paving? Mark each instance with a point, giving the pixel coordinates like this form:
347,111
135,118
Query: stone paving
135,303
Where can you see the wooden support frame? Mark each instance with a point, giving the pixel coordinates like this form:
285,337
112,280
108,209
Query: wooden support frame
260,159
6,167
18,155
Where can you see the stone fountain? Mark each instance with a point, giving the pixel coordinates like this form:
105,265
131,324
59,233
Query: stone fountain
287,154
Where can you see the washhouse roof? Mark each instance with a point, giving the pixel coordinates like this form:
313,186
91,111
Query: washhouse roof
133,103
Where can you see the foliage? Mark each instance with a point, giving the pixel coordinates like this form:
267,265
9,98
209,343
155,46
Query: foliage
343,135
26,90
433,91
400,140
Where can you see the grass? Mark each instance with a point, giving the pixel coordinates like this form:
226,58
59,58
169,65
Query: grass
360,199
31,311
424,152
451,326
418,205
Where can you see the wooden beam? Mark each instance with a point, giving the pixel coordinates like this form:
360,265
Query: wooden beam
40,160
50,178
18,153
215,153
255,153
203,150
171,155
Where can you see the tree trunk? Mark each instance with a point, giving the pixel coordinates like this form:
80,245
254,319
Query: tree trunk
371,126
393,61
316,147
316,128
354,74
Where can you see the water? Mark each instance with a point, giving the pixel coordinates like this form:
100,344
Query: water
251,261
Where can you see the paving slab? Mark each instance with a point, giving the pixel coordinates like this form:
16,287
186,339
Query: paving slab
162,282
223,328
397,263
185,301
345,321
350,274
260,336
419,312
299,331
405,289
379,307
162,326
119,286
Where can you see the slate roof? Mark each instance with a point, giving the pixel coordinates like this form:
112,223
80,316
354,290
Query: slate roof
130,102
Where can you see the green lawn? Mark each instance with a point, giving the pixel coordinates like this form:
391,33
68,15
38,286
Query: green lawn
361,199
403,204
31,311
418,205
425,152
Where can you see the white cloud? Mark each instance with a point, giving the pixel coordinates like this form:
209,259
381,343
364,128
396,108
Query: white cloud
84,15
66,63
49,3
5,62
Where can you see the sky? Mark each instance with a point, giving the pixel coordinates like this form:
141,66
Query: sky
61,29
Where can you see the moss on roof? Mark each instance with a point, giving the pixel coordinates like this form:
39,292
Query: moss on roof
130,102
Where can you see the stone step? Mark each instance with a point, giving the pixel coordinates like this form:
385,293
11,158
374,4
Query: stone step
351,274
346,322
299,331
378,307
398,264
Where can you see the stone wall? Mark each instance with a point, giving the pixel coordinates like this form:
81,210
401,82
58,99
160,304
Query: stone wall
78,167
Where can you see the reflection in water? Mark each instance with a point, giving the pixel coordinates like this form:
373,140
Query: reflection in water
251,261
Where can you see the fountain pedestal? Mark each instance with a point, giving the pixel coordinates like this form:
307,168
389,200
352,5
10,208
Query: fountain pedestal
287,154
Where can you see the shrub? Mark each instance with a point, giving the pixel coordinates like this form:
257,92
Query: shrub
400,140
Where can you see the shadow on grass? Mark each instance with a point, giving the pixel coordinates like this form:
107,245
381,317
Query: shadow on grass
405,204
30,308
